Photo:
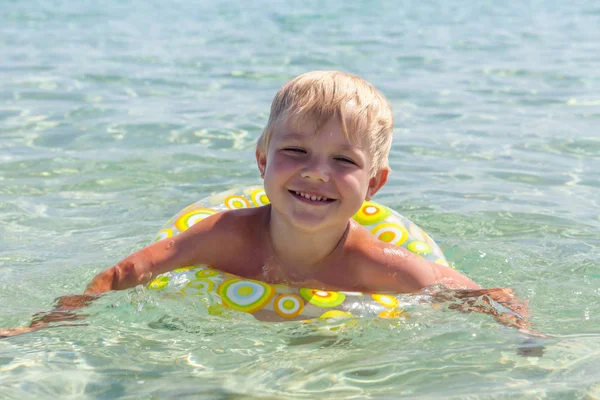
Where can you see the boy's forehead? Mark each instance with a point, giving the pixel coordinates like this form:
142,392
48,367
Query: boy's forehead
299,127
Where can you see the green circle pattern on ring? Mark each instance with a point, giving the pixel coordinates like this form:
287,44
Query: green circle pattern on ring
419,247
322,298
245,294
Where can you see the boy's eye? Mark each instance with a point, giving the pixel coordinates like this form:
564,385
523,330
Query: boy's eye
295,150
346,160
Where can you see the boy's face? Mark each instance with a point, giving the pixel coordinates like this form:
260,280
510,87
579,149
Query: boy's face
316,180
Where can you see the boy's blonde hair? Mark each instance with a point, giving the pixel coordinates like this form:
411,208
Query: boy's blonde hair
321,95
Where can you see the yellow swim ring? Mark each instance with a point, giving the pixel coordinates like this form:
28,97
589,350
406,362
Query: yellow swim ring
279,302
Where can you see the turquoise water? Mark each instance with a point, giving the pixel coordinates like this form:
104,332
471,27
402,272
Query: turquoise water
115,115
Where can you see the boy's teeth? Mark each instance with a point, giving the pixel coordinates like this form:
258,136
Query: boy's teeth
313,197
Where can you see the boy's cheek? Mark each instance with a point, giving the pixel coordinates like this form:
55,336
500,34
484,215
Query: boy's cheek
277,165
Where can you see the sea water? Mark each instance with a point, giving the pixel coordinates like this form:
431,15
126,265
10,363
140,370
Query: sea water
114,115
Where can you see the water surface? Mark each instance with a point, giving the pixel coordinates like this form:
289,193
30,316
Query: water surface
115,115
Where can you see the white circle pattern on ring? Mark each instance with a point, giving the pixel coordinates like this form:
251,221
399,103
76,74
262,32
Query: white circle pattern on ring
288,305
254,292
236,202
391,233
370,210
259,197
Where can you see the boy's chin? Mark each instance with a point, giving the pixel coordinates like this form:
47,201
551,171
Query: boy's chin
314,224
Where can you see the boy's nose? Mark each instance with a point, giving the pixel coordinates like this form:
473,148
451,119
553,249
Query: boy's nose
316,171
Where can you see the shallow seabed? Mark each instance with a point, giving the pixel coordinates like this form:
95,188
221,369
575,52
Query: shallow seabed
115,115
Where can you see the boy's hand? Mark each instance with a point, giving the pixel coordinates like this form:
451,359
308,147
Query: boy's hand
102,282
124,275
59,314
9,332
502,303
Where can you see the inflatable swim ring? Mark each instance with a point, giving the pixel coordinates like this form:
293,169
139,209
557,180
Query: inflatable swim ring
279,302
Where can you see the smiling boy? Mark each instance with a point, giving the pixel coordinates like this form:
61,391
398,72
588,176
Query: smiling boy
323,152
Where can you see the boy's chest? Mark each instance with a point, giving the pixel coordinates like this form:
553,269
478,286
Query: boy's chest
322,277
256,261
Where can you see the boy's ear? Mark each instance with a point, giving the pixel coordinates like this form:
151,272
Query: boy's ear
376,182
261,162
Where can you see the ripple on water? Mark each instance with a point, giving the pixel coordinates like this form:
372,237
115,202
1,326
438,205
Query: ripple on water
112,118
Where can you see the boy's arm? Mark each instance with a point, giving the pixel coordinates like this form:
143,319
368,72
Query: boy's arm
395,269
464,295
198,245
402,271
501,303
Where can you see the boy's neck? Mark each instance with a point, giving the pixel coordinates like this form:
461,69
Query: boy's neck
299,251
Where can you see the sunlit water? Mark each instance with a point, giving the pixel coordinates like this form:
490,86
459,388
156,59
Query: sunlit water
114,115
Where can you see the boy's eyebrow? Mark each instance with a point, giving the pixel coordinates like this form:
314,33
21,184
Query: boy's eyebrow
294,135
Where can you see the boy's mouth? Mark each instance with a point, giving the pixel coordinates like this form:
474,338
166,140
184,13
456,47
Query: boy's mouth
311,197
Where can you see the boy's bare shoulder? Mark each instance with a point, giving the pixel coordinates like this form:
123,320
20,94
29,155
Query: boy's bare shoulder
232,239
244,227
366,248
383,266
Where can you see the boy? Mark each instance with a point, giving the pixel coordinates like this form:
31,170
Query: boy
323,152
